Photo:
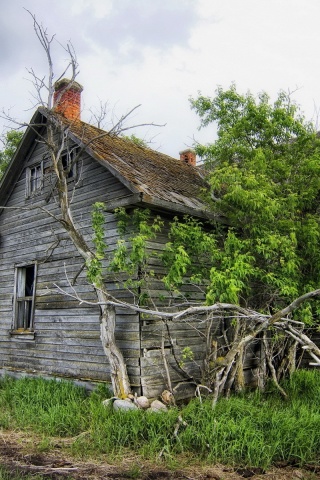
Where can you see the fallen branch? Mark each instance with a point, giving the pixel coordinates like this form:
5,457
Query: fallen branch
175,432
224,365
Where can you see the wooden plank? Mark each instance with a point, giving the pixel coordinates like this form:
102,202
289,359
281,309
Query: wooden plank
95,372
42,358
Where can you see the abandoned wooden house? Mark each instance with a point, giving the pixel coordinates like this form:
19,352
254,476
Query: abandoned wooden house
43,332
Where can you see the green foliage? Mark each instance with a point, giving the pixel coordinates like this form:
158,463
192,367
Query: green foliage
94,266
187,355
189,252
136,140
10,143
264,176
132,253
253,430
196,254
262,250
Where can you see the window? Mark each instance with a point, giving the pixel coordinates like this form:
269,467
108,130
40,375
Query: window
24,296
67,159
34,179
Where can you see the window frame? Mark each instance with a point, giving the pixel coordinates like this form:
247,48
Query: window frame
37,180
20,297
67,158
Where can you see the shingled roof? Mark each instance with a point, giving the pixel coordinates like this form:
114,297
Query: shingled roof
154,175
153,178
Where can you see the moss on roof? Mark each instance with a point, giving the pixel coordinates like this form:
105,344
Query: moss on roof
145,170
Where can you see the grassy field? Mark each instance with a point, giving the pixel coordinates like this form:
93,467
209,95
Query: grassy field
250,430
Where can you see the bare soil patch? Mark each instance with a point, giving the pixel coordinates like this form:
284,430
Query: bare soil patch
19,453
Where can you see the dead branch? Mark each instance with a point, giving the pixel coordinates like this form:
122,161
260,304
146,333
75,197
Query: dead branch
177,427
226,369
197,392
99,115
263,320
271,367
165,362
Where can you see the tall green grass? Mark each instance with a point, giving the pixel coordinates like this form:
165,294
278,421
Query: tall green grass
48,406
250,430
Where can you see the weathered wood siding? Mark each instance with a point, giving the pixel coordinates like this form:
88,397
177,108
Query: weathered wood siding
155,334
67,334
187,335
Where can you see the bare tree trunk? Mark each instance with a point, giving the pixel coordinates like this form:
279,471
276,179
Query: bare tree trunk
269,359
119,375
292,358
239,371
164,359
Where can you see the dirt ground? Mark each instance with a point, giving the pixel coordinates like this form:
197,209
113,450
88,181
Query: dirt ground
19,452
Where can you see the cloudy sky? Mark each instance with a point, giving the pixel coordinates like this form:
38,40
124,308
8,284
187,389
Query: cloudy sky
158,53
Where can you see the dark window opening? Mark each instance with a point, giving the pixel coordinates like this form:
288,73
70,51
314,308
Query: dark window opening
24,297
69,164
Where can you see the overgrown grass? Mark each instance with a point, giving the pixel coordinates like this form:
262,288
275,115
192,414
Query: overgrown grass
250,430
48,406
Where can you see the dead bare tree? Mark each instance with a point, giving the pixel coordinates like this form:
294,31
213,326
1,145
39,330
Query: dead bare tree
119,375
223,365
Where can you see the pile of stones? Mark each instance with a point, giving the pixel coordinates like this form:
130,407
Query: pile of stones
133,402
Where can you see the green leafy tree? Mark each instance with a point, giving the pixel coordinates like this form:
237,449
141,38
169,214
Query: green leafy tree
264,176
10,143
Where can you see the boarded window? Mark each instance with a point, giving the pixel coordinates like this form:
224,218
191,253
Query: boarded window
34,179
25,280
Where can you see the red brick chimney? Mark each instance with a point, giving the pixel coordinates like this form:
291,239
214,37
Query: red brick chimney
67,98
188,156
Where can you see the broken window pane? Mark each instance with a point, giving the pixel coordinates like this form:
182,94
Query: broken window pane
24,297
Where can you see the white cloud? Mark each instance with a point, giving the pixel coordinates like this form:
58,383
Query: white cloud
98,8
159,53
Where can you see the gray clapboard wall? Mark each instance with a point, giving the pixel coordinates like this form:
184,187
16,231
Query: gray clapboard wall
67,334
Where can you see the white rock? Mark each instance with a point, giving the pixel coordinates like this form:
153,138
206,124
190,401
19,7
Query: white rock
157,406
142,402
124,405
